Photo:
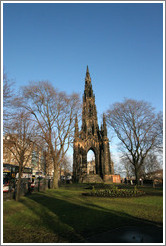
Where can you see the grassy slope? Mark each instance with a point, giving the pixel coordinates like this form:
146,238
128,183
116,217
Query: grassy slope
65,215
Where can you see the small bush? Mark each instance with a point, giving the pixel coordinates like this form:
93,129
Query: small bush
100,186
115,192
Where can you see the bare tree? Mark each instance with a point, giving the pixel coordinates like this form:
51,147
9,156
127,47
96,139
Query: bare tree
65,165
151,164
128,167
8,95
138,128
54,113
19,141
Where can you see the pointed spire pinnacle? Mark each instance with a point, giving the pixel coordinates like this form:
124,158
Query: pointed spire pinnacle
104,125
87,69
76,126
76,121
87,75
104,120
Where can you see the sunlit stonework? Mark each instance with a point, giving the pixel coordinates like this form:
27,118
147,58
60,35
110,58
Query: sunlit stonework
90,137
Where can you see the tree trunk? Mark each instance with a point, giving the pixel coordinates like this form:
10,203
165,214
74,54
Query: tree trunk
19,184
18,190
137,175
55,179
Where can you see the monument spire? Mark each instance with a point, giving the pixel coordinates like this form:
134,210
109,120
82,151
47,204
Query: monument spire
87,69
90,137
104,126
88,78
89,115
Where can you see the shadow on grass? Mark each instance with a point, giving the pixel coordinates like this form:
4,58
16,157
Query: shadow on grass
152,192
73,222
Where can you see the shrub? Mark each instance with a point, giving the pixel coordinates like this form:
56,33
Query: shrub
115,192
100,186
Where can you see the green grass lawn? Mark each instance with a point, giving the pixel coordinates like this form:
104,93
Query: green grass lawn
64,215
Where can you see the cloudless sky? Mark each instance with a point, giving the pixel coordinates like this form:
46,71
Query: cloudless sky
122,43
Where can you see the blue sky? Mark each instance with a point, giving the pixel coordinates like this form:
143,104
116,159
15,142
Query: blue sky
121,43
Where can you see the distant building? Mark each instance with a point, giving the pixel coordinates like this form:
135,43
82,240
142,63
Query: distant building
91,167
155,175
36,159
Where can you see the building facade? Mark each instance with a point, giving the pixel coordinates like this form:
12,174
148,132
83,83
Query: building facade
34,157
90,137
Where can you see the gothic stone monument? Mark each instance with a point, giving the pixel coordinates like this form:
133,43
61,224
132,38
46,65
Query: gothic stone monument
90,137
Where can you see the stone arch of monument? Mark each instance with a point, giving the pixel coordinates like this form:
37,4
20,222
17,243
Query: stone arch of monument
91,137
91,162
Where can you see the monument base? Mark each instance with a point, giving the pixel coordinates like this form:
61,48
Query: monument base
112,178
91,178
